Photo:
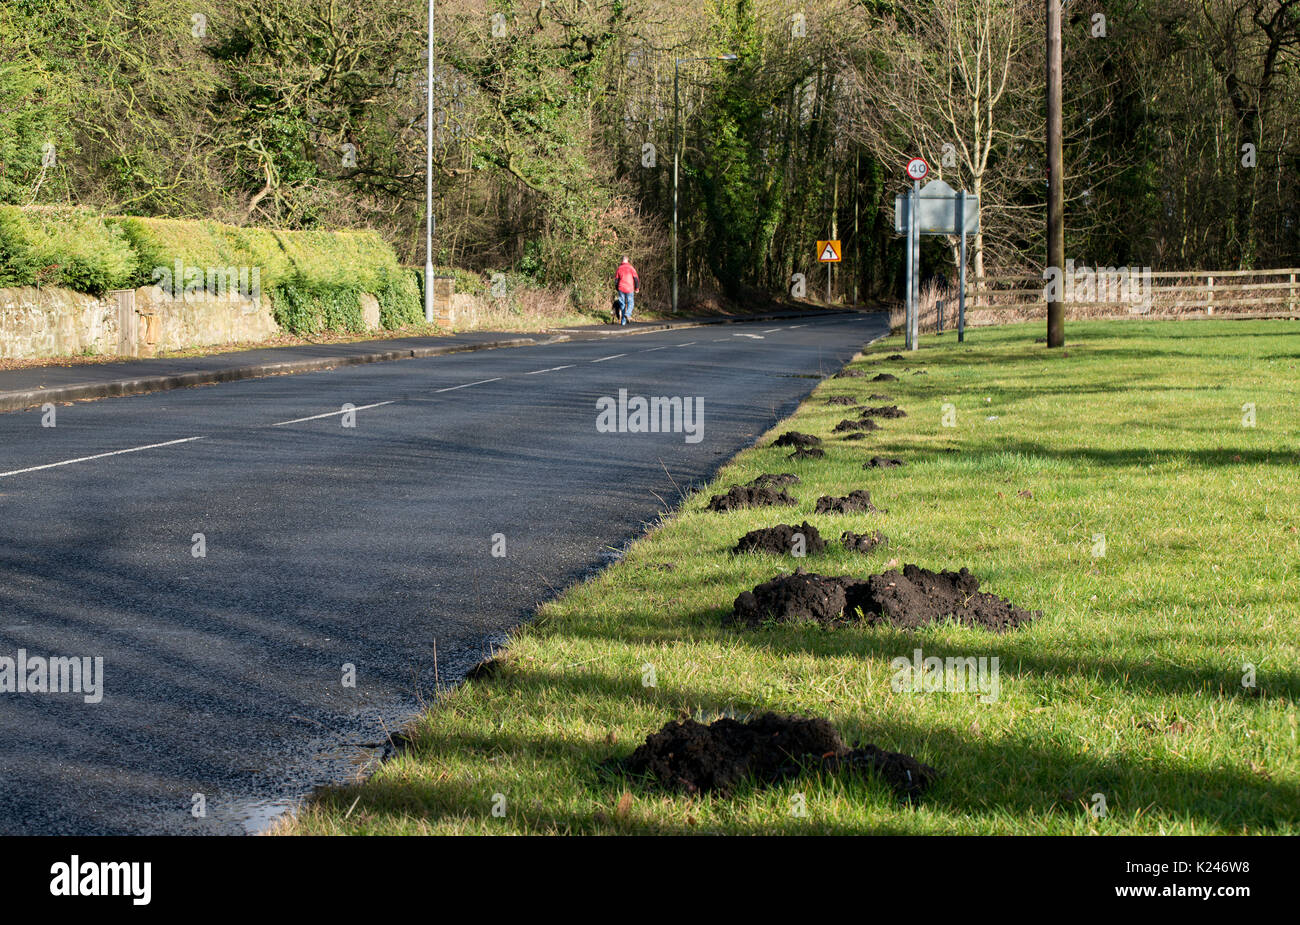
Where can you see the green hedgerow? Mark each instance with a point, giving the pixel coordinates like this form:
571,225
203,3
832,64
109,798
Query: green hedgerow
62,246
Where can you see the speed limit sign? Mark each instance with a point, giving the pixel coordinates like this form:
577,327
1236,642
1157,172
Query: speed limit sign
917,168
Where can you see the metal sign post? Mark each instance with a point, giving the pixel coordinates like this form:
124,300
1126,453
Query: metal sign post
961,285
915,329
936,209
828,252
907,301
917,169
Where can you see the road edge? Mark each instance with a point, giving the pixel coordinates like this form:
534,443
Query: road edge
284,823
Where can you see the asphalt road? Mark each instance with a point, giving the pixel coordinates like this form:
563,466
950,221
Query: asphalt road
326,546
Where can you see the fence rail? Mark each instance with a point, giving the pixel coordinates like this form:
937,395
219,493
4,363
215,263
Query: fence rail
1105,291
1007,298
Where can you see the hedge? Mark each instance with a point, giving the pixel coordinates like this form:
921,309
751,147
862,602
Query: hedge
315,278
64,246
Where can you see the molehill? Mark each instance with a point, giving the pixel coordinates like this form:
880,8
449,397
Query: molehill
908,599
690,757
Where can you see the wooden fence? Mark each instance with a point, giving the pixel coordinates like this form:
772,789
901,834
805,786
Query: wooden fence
1092,292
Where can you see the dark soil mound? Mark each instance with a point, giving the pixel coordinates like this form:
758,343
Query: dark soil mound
774,480
781,540
862,542
851,424
895,356
690,757
740,496
794,438
807,452
855,502
908,599
879,396
841,400
884,411
917,596
920,372
884,377
795,598
908,777
856,435
881,462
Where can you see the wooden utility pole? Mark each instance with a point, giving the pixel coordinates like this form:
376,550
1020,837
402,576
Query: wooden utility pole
1055,176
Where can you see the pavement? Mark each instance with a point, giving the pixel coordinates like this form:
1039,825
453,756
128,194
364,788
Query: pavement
31,387
277,572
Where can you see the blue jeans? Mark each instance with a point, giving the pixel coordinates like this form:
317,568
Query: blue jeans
625,301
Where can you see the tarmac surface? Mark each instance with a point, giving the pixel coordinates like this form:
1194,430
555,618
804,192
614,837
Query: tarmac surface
329,552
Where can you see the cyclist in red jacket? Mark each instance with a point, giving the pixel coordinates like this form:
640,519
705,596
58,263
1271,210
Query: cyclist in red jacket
628,284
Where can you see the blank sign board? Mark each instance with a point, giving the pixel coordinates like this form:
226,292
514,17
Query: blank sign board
938,210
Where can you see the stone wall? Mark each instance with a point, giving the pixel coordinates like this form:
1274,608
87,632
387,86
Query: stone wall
53,322
199,320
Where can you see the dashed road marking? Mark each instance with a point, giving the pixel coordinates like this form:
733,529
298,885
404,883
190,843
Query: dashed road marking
614,357
80,459
331,414
468,384
548,370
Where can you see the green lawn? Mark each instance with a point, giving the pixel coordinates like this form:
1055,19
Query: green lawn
1129,686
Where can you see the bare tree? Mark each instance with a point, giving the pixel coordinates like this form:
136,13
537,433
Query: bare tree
959,82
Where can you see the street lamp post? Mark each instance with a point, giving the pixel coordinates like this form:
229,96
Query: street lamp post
428,177
677,63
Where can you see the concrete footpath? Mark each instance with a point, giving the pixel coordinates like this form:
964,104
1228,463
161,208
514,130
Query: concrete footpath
33,386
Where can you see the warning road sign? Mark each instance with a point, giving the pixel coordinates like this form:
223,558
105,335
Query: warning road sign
828,251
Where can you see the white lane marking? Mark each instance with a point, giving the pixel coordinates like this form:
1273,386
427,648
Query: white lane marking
793,326
314,417
331,414
770,330
468,384
68,462
689,343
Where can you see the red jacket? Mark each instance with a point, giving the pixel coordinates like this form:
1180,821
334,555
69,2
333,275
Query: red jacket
625,278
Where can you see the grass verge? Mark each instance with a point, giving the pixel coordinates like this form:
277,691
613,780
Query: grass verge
1130,686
